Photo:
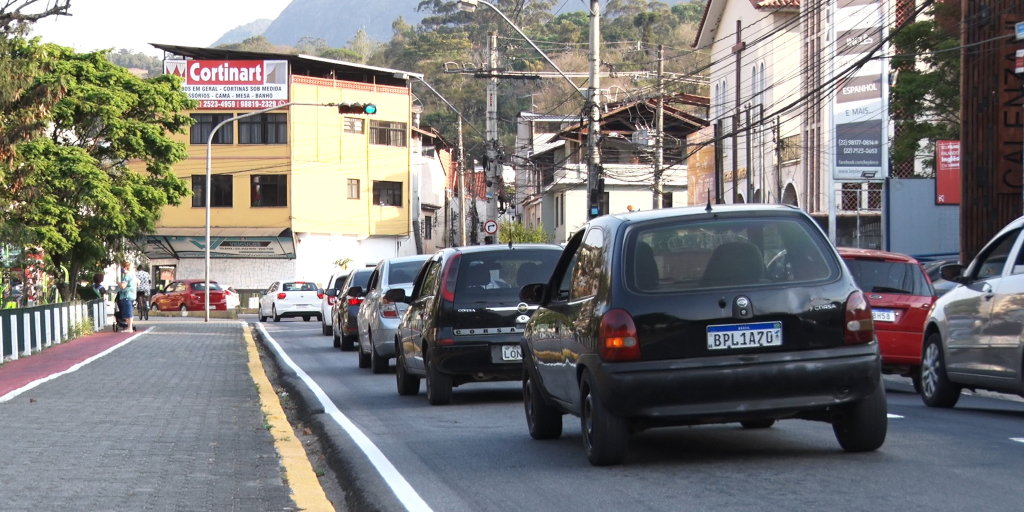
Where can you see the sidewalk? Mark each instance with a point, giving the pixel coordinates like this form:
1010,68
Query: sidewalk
168,420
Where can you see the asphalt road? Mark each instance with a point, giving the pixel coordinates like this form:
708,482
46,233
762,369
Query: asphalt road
476,453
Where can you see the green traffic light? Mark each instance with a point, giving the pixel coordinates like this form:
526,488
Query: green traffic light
370,108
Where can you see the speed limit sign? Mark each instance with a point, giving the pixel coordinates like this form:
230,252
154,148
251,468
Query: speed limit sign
490,227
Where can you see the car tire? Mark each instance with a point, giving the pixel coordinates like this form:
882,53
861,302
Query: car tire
605,436
936,389
364,358
439,385
378,363
862,426
757,424
327,330
543,421
184,310
273,311
263,318
306,318
347,343
915,379
408,385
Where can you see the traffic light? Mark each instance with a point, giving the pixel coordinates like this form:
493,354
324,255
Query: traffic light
357,108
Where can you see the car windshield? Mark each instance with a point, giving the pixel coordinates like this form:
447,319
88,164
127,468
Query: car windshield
403,272
498,276
202,286
727,252
874,276
299,287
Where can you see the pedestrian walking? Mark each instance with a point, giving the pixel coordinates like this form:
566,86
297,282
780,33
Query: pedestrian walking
142,297
128,288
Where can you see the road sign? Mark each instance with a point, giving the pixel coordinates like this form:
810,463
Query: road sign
490,227
1020,31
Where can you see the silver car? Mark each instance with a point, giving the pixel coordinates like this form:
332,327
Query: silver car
378,317
973,336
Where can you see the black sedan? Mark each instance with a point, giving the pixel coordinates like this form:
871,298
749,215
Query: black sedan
701,315
465,320
343,314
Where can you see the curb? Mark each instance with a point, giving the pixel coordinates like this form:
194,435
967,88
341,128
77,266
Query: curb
364,490
306,490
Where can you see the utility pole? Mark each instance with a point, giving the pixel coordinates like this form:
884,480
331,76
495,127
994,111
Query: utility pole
462,188
659,136
750,168
594,112
719,157
491,169
738,50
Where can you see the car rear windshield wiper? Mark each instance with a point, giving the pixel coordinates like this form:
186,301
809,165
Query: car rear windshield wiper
889,289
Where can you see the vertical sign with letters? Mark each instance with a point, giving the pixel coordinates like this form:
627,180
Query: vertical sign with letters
947,172
860,106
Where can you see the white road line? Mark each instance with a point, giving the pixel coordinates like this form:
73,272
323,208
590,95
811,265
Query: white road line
48,378
1018,439
399,485
894,417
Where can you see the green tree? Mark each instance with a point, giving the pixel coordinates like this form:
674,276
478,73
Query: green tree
137,60
925,97
71,191
520,234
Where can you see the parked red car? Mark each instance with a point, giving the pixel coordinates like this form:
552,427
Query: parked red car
901,295
189,295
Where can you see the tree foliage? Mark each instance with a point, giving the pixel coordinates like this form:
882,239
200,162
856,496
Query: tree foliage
518,233
137,60
925,97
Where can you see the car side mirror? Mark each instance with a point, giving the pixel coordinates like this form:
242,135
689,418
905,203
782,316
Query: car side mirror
395,295
355,291
951,272
331,293
533,293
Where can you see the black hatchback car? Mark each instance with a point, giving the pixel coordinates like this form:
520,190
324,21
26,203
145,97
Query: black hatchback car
465,320
345,310
701,315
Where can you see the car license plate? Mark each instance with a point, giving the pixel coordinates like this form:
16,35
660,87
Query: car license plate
764,334
212,306
883,315
511,353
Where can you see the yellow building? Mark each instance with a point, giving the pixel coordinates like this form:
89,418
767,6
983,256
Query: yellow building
296,189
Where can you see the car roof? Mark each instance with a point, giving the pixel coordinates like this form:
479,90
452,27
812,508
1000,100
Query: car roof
403,259
194,280
687,211
872,254
470,249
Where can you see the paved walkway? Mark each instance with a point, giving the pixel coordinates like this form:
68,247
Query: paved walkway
169,420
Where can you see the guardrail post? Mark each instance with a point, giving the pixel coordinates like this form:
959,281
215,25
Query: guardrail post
48,315
38,331
14,336
65,313
26,329
3,340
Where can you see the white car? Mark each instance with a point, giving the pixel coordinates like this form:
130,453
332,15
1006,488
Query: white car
231,298
378,317
329,298
290,299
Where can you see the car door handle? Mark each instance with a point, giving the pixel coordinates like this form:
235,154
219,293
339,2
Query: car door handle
986,289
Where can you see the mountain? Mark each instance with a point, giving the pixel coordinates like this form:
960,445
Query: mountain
241,33
337,21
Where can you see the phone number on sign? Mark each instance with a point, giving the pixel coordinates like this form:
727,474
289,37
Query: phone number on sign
240,103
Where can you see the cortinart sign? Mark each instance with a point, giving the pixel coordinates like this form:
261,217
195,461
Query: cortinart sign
233,84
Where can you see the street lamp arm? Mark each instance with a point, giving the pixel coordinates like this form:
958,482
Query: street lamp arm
535,47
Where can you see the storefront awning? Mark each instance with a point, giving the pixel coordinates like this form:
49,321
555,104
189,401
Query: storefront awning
261,243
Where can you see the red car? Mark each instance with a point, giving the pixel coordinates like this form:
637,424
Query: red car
189,295
901,295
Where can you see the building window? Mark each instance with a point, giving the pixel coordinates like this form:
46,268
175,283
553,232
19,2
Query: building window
263,129
354,125
200,131
220,194
386,133
666,200
602,203
428,227
269,190
387,193
353,189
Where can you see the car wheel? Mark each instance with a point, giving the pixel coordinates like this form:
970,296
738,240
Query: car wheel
755,424
861,426
408,385
306,318
347,343
337,339
544,421
378,363
364,358
605,436
184,310
439,385
263,318
327,330
936,389
273,311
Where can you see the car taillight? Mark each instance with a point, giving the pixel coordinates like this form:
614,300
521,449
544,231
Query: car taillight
320,296
859,327
445,341
331,300
354,301
388,309
282,295
618,340
451,273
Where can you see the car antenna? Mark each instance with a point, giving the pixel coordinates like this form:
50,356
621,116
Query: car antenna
708,208
510,242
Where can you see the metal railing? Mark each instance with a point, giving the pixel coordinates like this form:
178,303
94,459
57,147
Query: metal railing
24,331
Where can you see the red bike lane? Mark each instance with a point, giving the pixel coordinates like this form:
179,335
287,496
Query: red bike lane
58,358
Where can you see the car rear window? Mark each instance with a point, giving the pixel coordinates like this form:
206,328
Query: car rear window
717,252
876,276
360,278
498,276
202,286
403,272
299,287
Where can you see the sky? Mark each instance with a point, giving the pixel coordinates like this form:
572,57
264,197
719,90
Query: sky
133,24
